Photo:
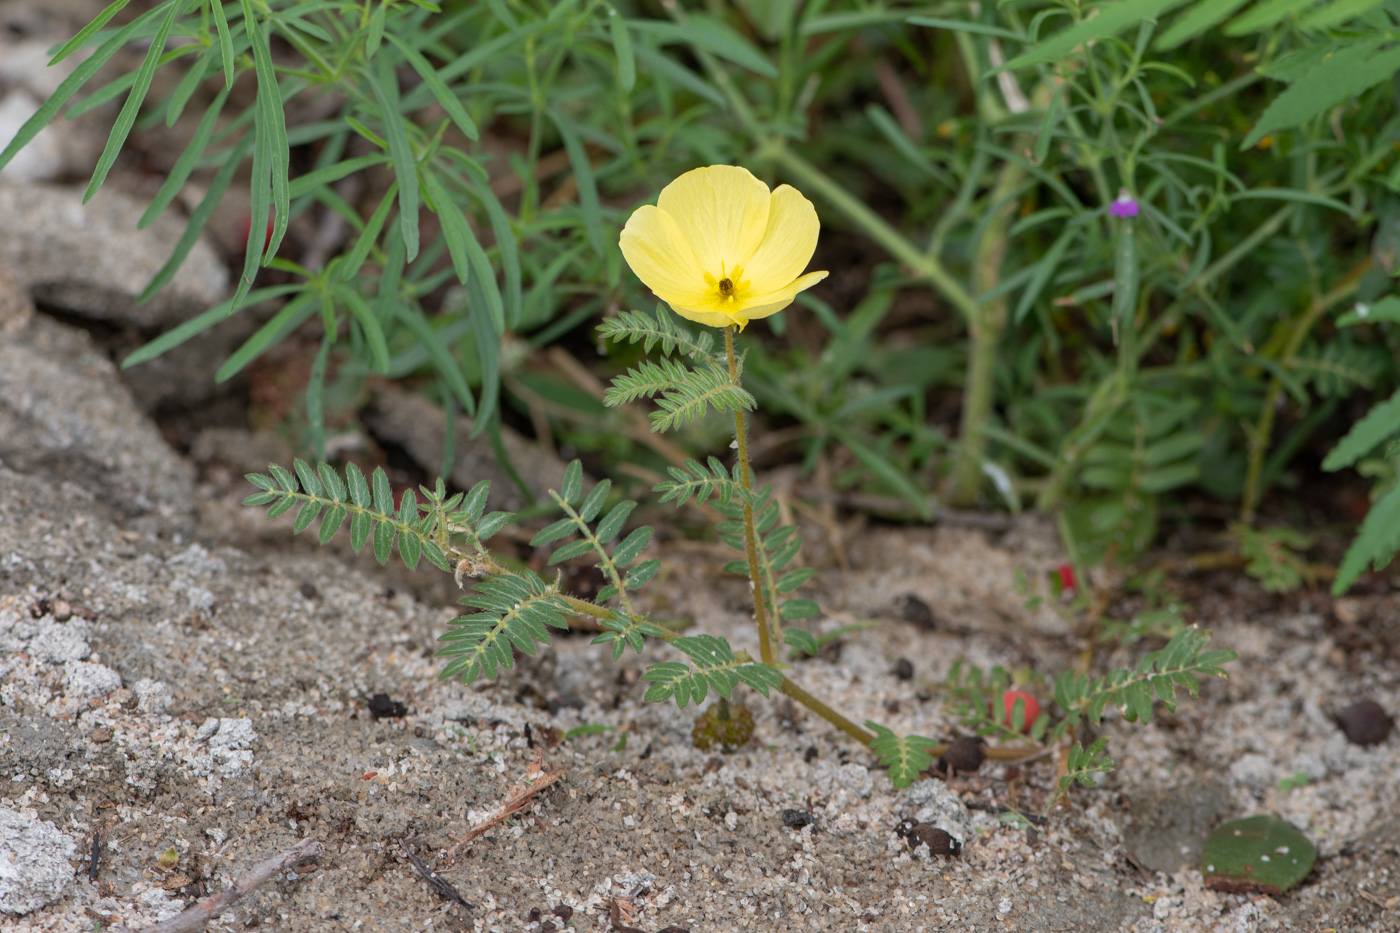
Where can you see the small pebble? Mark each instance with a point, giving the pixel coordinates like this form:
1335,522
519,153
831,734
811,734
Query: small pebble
916,612
903,669
939,842
1365,722
796,819
381,706
963,756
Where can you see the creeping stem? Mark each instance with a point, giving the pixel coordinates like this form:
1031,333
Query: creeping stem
741,440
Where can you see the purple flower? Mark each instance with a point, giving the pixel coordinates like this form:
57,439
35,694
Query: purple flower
1123,205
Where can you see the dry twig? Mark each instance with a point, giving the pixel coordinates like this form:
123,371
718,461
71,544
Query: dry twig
198,914
536,780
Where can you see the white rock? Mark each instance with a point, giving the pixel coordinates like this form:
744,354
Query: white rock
34,869
85,679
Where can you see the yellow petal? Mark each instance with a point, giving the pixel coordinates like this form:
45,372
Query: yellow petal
655,248
788,242
760,306
722,211
708,318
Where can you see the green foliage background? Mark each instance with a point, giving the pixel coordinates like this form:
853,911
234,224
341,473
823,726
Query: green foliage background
963,157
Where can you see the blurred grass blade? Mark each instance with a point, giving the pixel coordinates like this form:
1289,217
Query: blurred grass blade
1112,19
1339,78
385,88
1202,16
129,110
622,49
438,354
78,41
709,36
272,140
441,92
198,325
587,184
369,235
369,325
509,250
293,314
225,39
198,218
180,172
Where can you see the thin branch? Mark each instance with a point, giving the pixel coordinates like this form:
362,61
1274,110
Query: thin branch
197,915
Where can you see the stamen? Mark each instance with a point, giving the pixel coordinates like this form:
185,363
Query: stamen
726,288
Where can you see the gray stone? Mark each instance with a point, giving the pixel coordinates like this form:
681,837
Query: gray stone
90,259
86,679
1169,825
65,416
416,425
34,869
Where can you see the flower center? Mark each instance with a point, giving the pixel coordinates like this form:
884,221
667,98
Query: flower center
730,286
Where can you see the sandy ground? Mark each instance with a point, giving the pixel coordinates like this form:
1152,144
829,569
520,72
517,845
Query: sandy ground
241,724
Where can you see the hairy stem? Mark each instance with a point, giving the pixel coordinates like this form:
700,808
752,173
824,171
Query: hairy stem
741,441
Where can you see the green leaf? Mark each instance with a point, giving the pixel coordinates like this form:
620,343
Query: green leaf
374,35
904,755
309,481
386,95
1202,16
593,502
225,40
1387,311
612,523
587,184
1112,19
270,148
180,172
1376,543
127,118
632,546
71,84
794,609
1380,424
383,492
441,92
1345,74
1260,854
360,526
572,486
560,529
88,31
309,511
1125,277
1264,15
409,550
331,524
957,25
708,36
571,550
622,49
802,640
1339,11
642,574
293,314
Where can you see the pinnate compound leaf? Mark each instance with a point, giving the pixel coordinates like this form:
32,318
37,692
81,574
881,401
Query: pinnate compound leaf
1380,424
904,755
1376,543
1339,78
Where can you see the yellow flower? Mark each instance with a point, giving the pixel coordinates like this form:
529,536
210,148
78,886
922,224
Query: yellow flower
721,249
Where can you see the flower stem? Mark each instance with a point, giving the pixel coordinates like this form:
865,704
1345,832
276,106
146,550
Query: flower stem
826,712
741,441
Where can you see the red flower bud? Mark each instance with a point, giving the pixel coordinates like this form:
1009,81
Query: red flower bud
1008,700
